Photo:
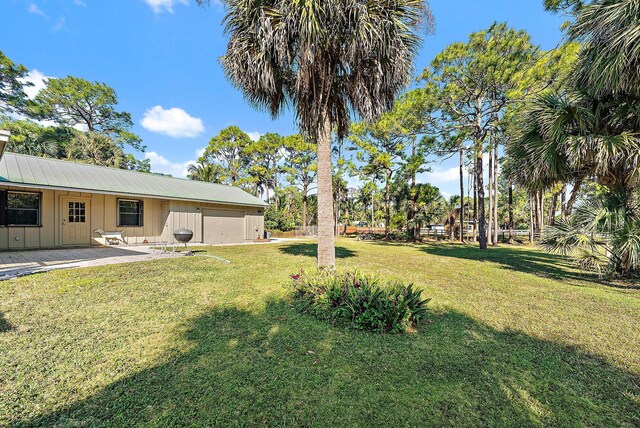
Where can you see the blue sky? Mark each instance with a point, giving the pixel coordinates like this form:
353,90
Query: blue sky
161,57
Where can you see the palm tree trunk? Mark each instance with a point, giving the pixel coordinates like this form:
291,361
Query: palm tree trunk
495,193
541,213
553,208
461,193
490,187
563,201
326,237
387,204
481,208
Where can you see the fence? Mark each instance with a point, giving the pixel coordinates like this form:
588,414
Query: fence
306,231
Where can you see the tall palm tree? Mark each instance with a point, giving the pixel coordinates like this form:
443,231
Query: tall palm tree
329,60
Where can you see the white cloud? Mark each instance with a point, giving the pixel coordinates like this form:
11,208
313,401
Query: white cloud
79,3
440,176
34,9
61,24
173,122
255,136
159,6
38,79
163,165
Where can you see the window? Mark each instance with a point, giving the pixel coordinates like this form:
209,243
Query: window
77,212
129,212
22,209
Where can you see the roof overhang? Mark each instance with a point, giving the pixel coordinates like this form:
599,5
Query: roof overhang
131,195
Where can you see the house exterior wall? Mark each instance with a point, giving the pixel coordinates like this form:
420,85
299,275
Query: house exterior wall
161,218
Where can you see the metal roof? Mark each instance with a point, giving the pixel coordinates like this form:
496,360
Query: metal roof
32,171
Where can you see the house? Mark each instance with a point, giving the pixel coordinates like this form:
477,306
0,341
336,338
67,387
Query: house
47,203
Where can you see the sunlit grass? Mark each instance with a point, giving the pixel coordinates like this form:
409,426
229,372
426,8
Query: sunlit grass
514,338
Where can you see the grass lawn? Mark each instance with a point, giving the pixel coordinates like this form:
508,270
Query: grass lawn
514,338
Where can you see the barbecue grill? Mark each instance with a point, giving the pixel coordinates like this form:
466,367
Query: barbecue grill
184,236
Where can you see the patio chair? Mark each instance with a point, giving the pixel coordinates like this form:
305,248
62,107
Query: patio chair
111,238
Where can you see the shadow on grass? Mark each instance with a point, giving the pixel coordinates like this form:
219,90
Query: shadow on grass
280,368
521,259
311,250
5,325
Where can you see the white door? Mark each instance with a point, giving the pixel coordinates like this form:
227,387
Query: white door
76,226
223,226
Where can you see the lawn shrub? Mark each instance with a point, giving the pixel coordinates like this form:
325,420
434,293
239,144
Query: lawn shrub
366,302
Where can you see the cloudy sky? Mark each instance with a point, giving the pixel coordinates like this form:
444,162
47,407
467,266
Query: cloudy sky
161,56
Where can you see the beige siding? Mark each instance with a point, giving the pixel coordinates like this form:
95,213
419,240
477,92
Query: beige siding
161,218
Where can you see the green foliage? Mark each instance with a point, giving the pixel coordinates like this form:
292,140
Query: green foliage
230,149
29,138
329,57
366,302
602,235
12,96
75,102
60,142
278,220
204,171
265,155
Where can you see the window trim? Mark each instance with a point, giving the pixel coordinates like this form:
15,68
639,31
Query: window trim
140,214
5,208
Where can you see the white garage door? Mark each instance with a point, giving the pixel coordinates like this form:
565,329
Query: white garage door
223,226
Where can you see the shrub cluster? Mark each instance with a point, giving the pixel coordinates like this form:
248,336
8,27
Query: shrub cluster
366,302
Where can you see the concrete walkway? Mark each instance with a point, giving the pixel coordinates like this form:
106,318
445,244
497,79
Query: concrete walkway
20,263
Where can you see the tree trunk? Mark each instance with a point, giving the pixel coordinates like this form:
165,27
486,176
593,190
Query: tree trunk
387,204
461,193
531,221
572,199
490,188
482,229
552,209
541,214
475,206
326,237
452,225
563,201
305,199
495,194
512,238
413,233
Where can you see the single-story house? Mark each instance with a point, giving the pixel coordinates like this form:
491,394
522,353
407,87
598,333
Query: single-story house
48,203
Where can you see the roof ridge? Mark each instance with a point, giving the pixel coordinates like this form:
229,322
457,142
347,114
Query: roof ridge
146,174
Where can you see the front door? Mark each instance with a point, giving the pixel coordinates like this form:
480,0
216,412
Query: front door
76,228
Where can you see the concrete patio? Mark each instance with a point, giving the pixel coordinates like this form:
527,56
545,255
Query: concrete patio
14,264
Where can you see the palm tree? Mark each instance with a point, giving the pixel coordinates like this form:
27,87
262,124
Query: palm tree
204,171
567,137
610,60
329,60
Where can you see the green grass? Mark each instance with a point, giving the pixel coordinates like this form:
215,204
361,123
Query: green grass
514,338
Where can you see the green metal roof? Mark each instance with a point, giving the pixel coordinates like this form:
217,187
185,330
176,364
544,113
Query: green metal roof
31,171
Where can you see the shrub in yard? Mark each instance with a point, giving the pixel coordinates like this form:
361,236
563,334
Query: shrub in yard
366,302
